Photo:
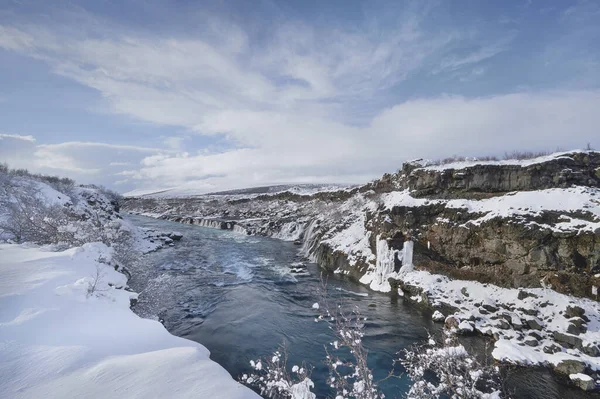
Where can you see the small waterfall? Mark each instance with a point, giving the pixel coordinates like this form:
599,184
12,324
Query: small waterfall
310,239
290,231
237,228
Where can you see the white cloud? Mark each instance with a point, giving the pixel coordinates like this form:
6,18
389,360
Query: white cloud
298,107
7,137
435,128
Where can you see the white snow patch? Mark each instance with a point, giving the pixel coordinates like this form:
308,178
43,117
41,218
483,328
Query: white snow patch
82,344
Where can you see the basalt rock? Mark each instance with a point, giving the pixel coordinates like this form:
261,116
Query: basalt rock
483,181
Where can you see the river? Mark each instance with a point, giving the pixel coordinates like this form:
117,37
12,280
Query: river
235,294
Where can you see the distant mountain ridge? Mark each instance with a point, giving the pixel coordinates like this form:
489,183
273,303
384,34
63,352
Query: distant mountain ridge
300,189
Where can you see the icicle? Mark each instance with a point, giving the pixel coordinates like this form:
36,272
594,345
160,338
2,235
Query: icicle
407,257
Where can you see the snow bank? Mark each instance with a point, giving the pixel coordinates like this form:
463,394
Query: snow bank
58,339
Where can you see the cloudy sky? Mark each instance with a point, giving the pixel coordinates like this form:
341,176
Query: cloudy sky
210,95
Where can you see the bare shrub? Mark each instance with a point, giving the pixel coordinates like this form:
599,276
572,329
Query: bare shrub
444,369
272,378
350,376
95,284
523,155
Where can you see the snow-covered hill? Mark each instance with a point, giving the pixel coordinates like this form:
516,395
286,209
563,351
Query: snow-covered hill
66,327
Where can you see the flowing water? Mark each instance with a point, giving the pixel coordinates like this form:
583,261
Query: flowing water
235,294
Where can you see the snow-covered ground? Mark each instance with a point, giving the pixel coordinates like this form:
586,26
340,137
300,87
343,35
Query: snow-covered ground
59,339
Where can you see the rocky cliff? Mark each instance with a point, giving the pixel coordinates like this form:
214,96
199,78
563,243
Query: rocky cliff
512,223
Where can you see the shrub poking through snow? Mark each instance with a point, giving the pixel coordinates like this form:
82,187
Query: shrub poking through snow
446,370
272,378
350,376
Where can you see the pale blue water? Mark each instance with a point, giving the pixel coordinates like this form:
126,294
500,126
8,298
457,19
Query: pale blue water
235,295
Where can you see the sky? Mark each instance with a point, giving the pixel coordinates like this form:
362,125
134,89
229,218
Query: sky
146,95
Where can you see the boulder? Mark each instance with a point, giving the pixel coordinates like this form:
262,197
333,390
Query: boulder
591,350
583,381
568,340
552,348
570,366
534,324
437,316
531,341
502,324
574,311
451,322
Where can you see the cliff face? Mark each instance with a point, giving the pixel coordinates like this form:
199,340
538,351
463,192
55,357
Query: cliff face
484,180
511,223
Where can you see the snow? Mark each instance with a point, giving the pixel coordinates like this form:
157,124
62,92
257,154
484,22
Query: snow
534,202
59,340
522,203
580,377
516,162
509,347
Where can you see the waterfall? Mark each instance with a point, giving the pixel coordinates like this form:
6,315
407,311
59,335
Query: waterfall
237,228
289,231
311,236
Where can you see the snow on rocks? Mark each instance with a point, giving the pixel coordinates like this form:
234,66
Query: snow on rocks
531,327
66,330
583,381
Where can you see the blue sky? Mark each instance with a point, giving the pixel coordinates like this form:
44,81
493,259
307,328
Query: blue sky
210,95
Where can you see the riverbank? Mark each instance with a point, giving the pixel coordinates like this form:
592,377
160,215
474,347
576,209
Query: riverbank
67,330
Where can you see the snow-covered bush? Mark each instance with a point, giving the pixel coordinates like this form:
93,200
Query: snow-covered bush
33,209
446,370
272,378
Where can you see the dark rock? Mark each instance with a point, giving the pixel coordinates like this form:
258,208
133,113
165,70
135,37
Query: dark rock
552,348
529,312
524,294
534,324
576,326
571,341
464,291
574,311
531,341
175,236
570,367
503,324
451,322
591,350
535,335
489,308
